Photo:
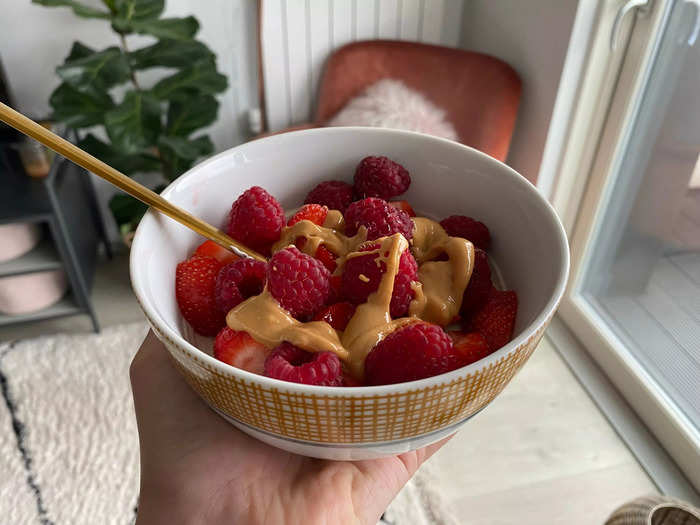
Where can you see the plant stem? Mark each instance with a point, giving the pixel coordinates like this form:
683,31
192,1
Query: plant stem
131,71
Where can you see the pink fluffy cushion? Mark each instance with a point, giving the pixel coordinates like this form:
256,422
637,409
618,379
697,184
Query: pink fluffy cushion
391,104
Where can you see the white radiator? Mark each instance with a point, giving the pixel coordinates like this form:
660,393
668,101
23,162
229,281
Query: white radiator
298,35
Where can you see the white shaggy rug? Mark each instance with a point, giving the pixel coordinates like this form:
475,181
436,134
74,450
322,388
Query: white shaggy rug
68,439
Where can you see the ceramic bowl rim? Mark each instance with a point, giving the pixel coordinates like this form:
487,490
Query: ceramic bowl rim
527,332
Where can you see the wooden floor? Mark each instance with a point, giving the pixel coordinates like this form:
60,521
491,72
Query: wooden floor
662,327
541,453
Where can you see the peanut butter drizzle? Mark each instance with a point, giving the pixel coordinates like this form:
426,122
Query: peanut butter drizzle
437,297
429,239
268,323
443,283
372,321
316,235
334,220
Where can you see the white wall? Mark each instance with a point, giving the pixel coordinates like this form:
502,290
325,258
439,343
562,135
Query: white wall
299,35
35,39
532,36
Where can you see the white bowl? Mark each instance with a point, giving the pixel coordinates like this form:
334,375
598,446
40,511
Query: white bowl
529,247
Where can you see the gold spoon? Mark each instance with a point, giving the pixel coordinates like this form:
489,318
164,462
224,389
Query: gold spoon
121,181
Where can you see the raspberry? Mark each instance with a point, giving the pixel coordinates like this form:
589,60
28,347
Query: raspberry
239,280
335,194
336,294
256,219
362,275
194,291
479,286
291,363
337,315
467,228
379,217
413,352
380,177
310,212
299,282
496,319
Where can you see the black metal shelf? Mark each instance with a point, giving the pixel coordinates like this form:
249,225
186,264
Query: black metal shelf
64,202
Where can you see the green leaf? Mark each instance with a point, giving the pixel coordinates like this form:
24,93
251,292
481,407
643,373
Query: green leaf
80,108
111,5
78,8
128,164
79,51
170,53
102,70
135,123
129,10
186,116
190,149
202,76
174,28
173,164
126,209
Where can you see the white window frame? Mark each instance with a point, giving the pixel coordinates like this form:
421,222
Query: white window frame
601,106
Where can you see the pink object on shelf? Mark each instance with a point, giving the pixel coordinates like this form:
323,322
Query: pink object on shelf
17,239
28,293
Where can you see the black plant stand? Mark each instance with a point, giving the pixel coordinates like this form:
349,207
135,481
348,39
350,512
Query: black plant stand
65,205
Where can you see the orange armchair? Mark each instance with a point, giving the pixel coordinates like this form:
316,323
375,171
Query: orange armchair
480,94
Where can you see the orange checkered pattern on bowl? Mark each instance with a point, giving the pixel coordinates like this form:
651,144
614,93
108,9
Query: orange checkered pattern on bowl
344,419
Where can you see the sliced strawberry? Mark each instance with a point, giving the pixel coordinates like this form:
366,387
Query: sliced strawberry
469,347
337,315
239,349
405,206
211,249
310,212
327,257
496,319
323,254
195,280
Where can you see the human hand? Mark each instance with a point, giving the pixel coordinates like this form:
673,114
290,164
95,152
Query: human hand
197,468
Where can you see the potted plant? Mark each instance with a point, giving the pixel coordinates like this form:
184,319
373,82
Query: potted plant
138,128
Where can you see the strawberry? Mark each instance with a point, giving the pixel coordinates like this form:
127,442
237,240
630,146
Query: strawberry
195,280
327,257
337,315
323,254
211,249
239,349
404,206
496,319
310,212
469,347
